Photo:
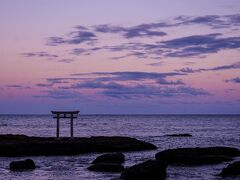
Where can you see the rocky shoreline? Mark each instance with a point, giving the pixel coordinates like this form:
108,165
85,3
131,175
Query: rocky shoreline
155,168
21,145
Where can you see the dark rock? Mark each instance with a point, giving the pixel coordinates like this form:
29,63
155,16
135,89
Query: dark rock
19,145
106,167
197,156
178,135
27,164
151,169
231,170
110,158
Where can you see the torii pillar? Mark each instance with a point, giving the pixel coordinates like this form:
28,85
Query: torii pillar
65,115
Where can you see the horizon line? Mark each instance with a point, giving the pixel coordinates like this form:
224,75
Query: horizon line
133,114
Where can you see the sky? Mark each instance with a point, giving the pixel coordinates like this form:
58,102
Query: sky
120,57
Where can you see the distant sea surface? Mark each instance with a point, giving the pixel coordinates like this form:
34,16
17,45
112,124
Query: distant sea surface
207,130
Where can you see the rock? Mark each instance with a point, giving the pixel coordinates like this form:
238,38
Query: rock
18,145
179,135
151,169
197,156
106,167
110,158
231,170
27,164
201,160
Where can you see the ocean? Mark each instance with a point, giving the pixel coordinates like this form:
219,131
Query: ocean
206,130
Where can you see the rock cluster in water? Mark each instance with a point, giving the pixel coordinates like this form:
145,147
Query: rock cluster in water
156,169
112,162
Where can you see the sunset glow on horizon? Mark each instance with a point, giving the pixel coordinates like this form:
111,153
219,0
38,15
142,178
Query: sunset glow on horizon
120,57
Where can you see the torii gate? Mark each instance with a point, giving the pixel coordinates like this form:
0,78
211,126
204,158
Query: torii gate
64,115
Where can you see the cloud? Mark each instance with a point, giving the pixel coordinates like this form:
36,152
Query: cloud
66,60
234,80
197,45
130,32
48,56
156,64
75,37
95,84
164,81
189,46
18,86
152,29
44,85
58,80
61,94
79,51
183,47
131,76
116,85
145,91
81,27
40,54
121,85
120,91
226,67
213,21
217,68
53,81
15,86
98,80
187,70
84,51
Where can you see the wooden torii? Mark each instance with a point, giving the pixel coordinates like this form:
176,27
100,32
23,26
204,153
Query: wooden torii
65,115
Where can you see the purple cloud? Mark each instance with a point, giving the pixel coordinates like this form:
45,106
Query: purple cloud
76,37
218,68
18,86
40,54
124,85
234,80
130,32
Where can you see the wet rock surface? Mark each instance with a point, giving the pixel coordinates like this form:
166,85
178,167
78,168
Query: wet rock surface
197,156
231,170
151,169
110,158
27,164
20,145
106,167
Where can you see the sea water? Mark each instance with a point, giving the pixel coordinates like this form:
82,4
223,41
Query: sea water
206,130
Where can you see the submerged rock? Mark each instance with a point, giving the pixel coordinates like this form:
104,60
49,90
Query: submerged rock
27,164
106,167
231,170
197,156
178,135
151,169
110,158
